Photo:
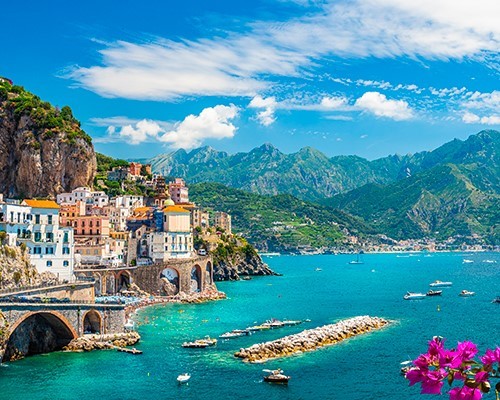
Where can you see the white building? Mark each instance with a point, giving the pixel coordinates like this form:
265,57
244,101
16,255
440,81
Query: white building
36,224
118,218
129,201
84,194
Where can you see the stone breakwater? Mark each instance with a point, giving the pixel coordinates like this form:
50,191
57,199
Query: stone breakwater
102,342
311,339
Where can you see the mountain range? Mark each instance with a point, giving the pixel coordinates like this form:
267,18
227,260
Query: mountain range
453,190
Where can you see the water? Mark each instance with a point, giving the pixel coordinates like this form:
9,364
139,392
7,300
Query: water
366,367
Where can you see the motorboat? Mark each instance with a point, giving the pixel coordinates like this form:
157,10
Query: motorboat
490,261
496,300
467,261
276,376
406,366
440,284
466,293
200,343
183,378
258,328
273,323
289,322
318,269
414,296
434,292
231,335
358,260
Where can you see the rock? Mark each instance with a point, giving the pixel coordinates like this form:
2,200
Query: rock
240,264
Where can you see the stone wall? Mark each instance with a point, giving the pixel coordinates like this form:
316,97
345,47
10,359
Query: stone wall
79,291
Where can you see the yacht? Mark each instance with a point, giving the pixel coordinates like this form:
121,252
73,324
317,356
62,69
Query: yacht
183,378
414,296
357,260
496,300
466,293
231,335
467,261
440,284
434,292
276,376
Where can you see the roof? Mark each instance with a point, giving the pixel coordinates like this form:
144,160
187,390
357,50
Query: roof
139,210
175,209
41,203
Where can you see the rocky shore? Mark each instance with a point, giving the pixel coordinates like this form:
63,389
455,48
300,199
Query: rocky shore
311,339
102,342
240,264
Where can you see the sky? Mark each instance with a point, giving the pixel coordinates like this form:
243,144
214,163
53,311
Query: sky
371,78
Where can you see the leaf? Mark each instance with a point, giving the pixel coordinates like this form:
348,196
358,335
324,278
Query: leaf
471,383
450,378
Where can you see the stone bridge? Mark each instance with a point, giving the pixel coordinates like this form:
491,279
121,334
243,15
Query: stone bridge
168,278
33,328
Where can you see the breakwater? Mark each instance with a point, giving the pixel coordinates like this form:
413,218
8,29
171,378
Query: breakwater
311,339
102,342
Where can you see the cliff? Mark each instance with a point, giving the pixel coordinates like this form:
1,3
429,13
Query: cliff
232,261
43,150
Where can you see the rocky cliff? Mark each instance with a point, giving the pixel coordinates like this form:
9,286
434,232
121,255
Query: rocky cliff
242,262
43,151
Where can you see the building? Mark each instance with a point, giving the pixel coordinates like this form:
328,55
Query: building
135,169
119,174
200,219
14,220
178,190
223,220
50,246
178,237
129,201
85,195
148,169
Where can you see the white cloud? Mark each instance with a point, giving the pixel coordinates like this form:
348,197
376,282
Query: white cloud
211,123
332,103
379,105
269,104
239,63
471,118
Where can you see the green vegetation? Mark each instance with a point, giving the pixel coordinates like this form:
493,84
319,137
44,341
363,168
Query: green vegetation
48,120
106,163
283,222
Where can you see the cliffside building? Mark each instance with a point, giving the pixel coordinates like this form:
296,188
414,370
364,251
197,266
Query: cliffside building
84,194
178,190
223,220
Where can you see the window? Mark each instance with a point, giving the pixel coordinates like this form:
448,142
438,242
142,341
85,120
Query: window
65,263
38,236
65,250
49,263
49,217
37,218
49,250
65,237
91,232
50,236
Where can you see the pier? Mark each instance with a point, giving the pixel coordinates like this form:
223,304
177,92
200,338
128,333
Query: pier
311,339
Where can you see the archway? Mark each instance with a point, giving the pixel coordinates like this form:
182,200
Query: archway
170,281
92,322
97,284
195,284
209,274
38,332
110,283
124,281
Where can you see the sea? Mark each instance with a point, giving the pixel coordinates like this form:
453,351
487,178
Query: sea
321,289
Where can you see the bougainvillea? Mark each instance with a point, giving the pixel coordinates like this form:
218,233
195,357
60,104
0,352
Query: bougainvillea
468,377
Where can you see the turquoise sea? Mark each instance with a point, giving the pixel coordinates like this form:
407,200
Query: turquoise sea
366,367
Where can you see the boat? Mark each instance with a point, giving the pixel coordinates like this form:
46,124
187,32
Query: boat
467,261
440,284
434,292
276,376
200,343
406,366
129,325
357,260
414,296
133,350
183,378
466,293
231,335
290,322
273,323
490,261
258,328
318,269
496,300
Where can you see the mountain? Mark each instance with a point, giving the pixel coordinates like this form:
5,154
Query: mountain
43,150
311,175
456,193
282,222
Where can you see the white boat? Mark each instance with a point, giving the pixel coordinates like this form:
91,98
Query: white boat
466,293
290,322
467,261
231,335
183,378
440,284
318,269
414,296
490,261
129,325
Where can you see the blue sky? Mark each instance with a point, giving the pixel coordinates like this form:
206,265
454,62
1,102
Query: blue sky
372,77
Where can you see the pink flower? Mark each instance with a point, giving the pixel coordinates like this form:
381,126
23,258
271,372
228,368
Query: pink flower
465,393
450,358
491,356
467,350
481,376
423,361
435,346
415,375
432,381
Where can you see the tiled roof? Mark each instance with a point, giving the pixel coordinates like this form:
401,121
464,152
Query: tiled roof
175,209
41,203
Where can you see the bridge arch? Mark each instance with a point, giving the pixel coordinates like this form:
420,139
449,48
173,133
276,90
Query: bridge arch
38,332
209,274
196,283
92,322
170,281
123,280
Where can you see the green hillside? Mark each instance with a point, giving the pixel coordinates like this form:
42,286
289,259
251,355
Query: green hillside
279,223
